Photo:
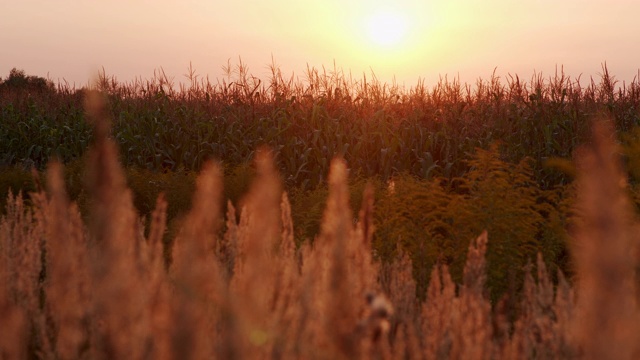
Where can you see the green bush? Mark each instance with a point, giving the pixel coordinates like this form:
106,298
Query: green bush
435,220
14,180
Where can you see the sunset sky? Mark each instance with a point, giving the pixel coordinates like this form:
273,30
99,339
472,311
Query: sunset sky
408,39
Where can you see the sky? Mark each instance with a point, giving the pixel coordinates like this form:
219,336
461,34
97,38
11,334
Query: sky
402,40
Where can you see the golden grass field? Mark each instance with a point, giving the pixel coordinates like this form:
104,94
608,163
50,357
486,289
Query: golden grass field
100,288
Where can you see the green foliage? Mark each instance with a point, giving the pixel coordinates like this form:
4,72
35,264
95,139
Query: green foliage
439,180
146,185
505,200
18,80
381,130
435,220
14,180
237,182
39,122
421,217
307,206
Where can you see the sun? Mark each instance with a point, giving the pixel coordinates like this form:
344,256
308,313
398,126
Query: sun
387,28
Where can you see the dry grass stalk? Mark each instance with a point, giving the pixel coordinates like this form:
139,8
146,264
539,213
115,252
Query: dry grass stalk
604,248
118,329
157,229
459,327
536,331
472,330
13,317
360,250
337,231
564,309
286,310
228,247
159,310
327,302
200,298
398,282
22,231
437,315
255,284
68,284
402,289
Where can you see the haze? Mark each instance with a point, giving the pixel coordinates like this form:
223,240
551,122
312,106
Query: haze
72,40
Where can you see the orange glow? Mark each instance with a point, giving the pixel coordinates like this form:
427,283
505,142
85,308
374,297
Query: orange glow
408,39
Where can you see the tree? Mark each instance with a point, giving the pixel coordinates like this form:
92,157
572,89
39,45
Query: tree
19,80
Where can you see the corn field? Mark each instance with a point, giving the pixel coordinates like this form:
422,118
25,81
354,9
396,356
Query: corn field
101,286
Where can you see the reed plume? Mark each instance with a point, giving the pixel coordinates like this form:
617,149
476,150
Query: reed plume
114,247
68,283
604,249
200,298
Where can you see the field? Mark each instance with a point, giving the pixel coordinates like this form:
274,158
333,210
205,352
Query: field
493,221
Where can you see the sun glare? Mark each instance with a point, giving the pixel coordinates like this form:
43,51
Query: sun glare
387,28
